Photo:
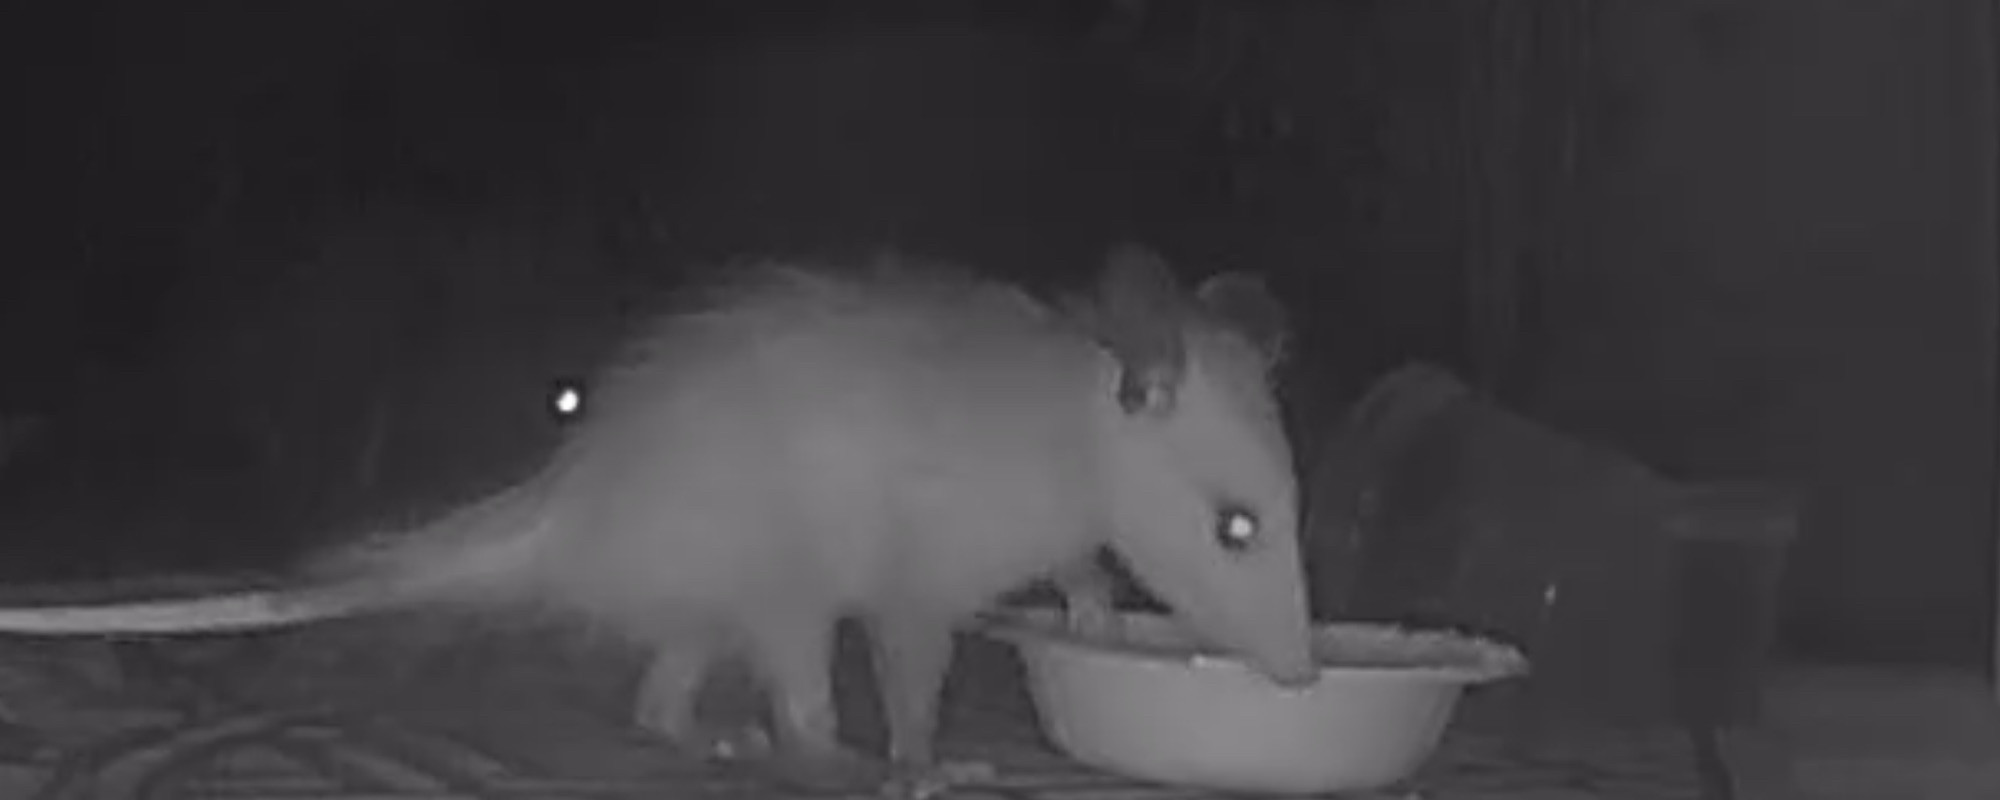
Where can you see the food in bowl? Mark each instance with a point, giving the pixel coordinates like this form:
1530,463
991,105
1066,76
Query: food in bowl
1150,702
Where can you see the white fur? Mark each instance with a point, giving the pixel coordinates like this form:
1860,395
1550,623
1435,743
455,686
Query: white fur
809,444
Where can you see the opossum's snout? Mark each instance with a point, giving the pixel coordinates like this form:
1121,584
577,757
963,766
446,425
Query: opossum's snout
1287,661
1249,605
1268,634
1255,602
1273,638
1296,679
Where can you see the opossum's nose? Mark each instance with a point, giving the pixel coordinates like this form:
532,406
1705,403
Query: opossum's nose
1292,672
1286,661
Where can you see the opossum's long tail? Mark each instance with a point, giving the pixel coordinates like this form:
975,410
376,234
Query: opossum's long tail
214,613
480,555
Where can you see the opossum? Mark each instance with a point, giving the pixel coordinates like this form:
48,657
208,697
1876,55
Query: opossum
900,444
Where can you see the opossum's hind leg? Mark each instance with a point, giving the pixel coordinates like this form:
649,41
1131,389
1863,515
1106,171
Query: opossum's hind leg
793,653
681,672
913,651
670,687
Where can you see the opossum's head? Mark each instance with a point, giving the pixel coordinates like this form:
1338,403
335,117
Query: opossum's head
1202,493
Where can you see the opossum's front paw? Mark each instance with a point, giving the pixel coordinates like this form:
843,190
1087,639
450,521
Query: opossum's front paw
1092,621
924,783
828,770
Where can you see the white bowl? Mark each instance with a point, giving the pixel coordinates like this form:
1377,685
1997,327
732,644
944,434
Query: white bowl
1151,706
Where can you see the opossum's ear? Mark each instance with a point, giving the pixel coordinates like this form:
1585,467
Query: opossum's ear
1242,301
1139,321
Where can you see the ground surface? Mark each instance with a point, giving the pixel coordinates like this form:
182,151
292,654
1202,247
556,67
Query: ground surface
1856,733
345,711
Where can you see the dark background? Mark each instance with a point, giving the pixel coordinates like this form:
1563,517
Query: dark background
283,268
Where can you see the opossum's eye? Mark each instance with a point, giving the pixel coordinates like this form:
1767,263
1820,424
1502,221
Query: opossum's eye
1139,393
1134,396
1236,529
566,400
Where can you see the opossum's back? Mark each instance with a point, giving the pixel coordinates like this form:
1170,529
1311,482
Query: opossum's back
778,445
946,455
877,369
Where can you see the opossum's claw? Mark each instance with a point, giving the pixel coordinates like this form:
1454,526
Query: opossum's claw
1089,609
1092,622
924,783
728,744
677,676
